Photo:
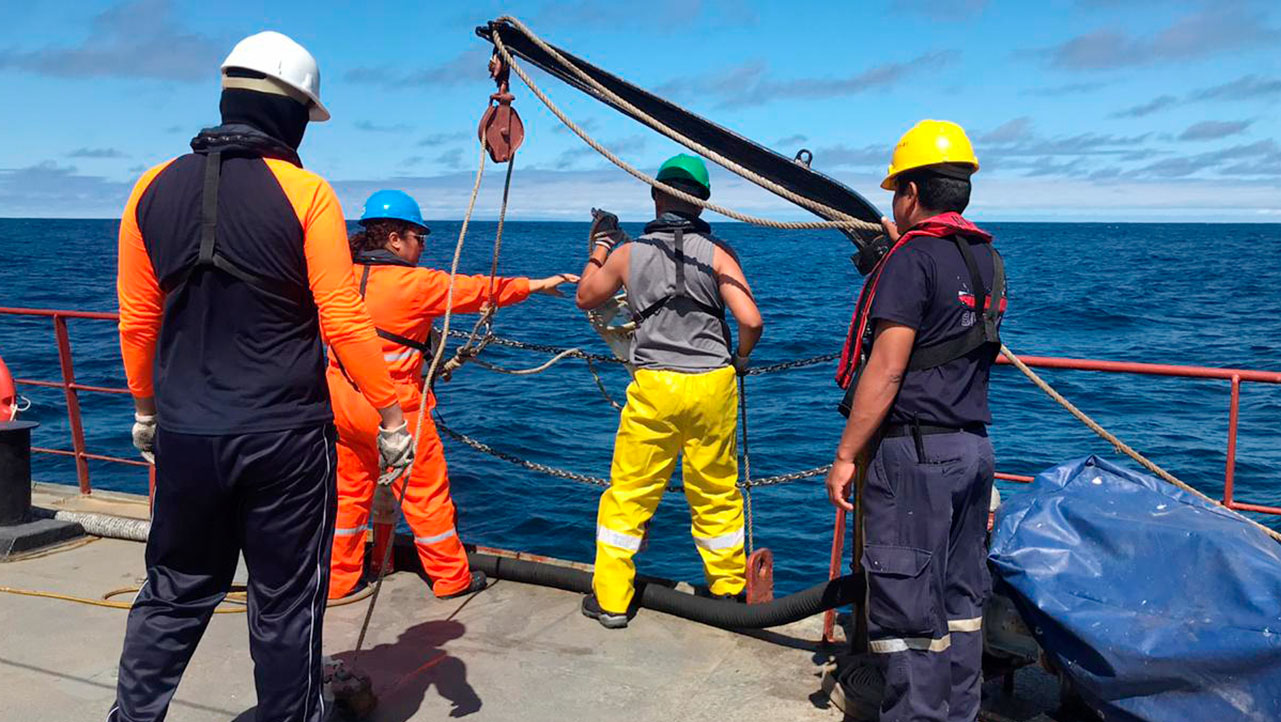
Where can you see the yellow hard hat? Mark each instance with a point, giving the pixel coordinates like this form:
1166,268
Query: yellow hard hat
930,142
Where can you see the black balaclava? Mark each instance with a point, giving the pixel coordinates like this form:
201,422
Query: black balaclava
281,117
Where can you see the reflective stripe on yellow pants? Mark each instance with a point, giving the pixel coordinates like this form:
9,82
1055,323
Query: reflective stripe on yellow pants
670,414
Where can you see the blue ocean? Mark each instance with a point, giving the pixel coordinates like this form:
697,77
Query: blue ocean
1197,294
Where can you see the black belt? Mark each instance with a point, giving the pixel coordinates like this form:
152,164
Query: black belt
893,430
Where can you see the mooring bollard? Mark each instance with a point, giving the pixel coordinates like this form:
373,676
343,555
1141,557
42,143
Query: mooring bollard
15,471
21,529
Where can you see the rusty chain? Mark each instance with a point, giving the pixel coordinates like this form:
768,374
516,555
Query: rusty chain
600,481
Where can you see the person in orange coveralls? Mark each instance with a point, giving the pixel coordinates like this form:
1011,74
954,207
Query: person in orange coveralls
404,300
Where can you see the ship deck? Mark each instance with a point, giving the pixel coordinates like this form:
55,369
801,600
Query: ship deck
513,651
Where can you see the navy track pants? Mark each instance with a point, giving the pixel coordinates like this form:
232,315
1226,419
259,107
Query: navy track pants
270,496
924,525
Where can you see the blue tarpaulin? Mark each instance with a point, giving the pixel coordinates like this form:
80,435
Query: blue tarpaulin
1157,605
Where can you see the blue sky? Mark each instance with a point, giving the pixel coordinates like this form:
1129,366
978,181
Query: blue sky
1088,110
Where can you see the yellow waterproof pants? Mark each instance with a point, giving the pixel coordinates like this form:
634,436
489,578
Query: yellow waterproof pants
670,414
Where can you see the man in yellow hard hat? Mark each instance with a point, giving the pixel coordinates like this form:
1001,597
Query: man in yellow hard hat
915,367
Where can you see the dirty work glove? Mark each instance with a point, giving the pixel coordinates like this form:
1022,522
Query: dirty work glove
144,435
395,450
741,363
605,232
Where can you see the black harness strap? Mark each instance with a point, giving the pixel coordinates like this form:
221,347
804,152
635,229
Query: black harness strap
420,346
987,317
678,252
209,208
208,255
427,348
364,280
679,290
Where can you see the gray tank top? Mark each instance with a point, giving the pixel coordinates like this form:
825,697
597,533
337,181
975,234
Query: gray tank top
682,315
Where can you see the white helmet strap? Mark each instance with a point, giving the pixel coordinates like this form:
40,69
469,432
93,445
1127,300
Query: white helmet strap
265,85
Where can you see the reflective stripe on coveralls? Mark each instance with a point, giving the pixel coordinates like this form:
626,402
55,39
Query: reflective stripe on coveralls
427,505
670,414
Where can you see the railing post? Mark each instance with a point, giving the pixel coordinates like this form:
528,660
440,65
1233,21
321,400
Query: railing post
73,401
1230,471
834,571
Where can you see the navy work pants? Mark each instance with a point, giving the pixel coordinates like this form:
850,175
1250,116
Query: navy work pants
924,511
270,496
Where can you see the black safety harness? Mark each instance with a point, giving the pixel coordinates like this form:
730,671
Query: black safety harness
381,257
680,295
209,256
985,333
386,258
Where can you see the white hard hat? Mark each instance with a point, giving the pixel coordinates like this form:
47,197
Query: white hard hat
277,56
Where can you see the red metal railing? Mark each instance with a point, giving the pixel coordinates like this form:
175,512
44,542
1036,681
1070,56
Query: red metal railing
1235,376
71,390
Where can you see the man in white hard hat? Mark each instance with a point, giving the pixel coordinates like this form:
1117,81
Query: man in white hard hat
233,263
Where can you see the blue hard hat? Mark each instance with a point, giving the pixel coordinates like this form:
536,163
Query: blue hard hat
398,205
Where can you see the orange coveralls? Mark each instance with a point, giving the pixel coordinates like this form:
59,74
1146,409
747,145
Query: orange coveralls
404,301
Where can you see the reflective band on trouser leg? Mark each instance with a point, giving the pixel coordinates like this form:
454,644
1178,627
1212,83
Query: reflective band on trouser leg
430,512
965,625
399,355
709,425
645,453
905,644
428,540
357,474
618,539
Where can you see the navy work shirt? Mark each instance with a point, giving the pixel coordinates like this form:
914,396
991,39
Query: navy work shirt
926,286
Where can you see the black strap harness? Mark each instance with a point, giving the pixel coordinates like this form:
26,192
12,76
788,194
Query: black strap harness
987,317
425,347
210,257
382,257
680,291
985,332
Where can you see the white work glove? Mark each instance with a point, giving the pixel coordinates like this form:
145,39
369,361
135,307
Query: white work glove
605,231
741,363
144,435
396,452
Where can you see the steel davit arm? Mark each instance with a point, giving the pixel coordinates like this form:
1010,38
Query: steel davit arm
794,175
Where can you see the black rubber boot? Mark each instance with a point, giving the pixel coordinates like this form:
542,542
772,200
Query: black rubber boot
608,620
478,582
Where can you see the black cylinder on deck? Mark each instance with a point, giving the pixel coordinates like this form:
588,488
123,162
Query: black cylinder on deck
15,471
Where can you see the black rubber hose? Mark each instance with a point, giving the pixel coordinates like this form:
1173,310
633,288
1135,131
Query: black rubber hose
658,594
660,598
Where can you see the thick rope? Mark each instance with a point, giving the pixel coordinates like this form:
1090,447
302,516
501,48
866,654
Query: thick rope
642,176
498,234
470,349
406,473
1120,446
523,372
600,385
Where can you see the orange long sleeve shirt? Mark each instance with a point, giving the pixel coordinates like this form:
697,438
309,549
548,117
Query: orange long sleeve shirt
157,230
